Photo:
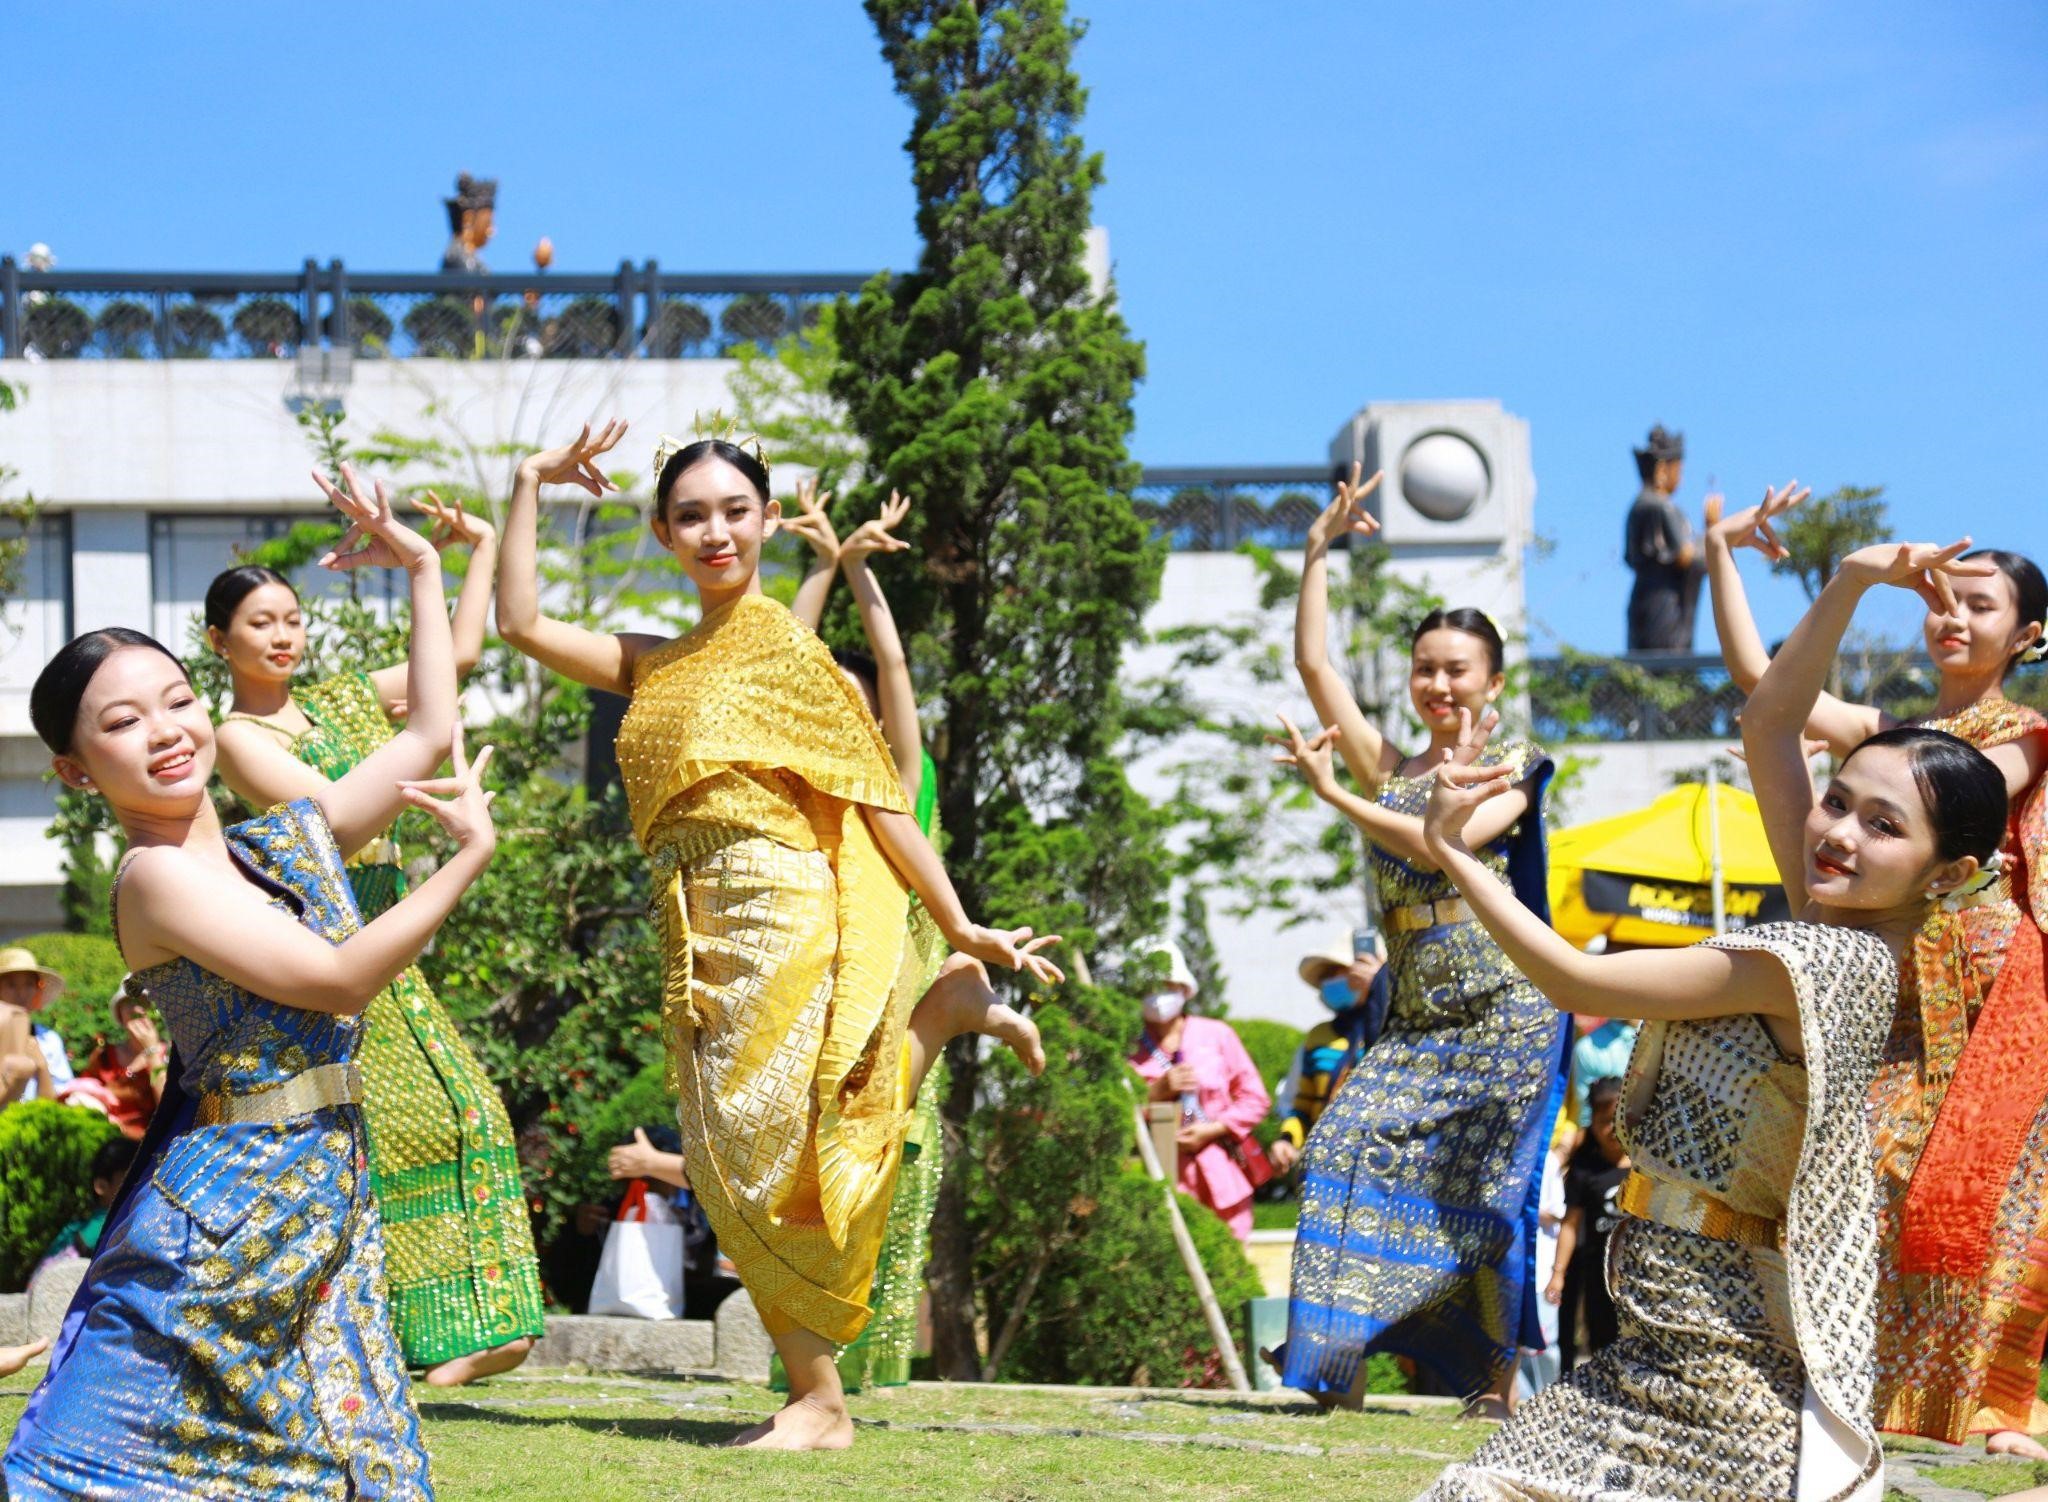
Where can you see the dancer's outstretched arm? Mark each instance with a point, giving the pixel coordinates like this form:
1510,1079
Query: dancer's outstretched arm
893,689
813,523
1779,706
1397,834
919,865
452,525
1644,984
1365,751
597,658
1842,725
174,904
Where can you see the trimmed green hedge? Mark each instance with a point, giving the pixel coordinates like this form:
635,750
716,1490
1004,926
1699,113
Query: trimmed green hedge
46,1152
93,970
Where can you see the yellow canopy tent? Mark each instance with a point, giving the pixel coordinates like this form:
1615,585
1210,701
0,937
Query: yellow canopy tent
1651,876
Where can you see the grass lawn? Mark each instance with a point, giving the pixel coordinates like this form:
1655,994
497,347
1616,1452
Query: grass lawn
556,1437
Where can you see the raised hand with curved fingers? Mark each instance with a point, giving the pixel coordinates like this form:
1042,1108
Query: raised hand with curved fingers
376,538
1751,527
1923,567
458,803
1314,756
1346,512
575,462
1012,948
812,521
877,534
452,525
1461,785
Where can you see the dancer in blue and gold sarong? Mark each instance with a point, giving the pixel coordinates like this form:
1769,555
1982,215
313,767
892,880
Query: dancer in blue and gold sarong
232,1337
1420,1180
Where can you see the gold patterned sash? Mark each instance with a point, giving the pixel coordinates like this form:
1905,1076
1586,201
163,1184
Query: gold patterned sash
1684,1208
301,1095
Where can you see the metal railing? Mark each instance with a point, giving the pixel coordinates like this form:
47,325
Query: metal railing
1214,509
637,311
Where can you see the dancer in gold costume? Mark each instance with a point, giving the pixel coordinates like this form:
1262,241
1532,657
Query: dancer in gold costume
800,1007
465,1287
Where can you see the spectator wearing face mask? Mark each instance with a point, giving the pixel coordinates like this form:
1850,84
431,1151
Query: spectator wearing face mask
1201,1062
1352,982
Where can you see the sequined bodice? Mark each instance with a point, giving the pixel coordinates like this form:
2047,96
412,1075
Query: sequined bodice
1726,1114
231,1039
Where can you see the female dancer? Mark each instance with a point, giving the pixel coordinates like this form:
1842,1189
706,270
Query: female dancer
232,1338
1966,1293
465,1288
1745,1267
1419,1196
765,798
880,1354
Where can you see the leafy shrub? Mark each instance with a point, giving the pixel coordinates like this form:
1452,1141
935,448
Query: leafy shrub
123,329
1114,1305
57,326
46,1152
93,970
268,325
588,329
679,326
441,328
754,317
195,330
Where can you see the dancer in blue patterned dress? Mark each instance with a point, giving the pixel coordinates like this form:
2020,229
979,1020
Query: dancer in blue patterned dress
1420,1181
232,1337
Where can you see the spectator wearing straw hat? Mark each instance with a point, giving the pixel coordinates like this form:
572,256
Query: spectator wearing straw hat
1351,980
32,1060
1202,1062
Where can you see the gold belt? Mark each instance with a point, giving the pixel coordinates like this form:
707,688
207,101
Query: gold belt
1408,920
1685,1208
305,1092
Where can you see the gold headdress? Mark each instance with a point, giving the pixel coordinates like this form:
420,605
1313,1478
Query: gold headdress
708,425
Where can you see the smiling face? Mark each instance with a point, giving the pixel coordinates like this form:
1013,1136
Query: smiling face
1870,839
714,521
1451,670
266,636
1986,631
142,740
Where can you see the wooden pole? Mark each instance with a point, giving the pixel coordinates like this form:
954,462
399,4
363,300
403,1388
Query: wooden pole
1219,1327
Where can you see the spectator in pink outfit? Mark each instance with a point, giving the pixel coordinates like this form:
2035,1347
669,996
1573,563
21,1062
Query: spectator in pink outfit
1200,1062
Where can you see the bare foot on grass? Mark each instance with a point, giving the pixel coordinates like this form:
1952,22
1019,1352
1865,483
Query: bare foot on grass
466,1369
2012,1442
806,1424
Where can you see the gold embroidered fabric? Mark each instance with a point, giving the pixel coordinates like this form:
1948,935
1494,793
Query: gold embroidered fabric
1699,1399
792,962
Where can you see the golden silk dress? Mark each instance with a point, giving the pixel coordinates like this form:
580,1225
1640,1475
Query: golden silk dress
443,1165
1743,1368
1960,1338
792,958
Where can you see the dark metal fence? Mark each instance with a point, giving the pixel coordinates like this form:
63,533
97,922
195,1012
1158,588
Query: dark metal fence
637,311
1205,510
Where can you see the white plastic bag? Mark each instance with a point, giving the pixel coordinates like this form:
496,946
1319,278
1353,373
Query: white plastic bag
641,1273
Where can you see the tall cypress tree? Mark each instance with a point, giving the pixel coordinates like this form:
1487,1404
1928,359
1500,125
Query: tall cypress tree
994,386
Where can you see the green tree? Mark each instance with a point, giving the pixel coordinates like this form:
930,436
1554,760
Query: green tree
995,386
1821,533
16,513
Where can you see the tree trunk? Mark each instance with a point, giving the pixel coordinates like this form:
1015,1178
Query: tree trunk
950,1274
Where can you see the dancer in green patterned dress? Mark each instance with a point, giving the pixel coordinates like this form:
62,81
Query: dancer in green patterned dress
465,1288
880,1355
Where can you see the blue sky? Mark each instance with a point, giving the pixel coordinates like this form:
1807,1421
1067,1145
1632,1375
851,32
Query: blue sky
1814,235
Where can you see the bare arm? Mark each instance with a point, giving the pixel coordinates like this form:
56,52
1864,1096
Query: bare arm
1397,834
919,865
813,523
1567,1245
1364,750
2022,761
361,804
894,690
599,659
453,525
1647,984
1842,725
174,904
